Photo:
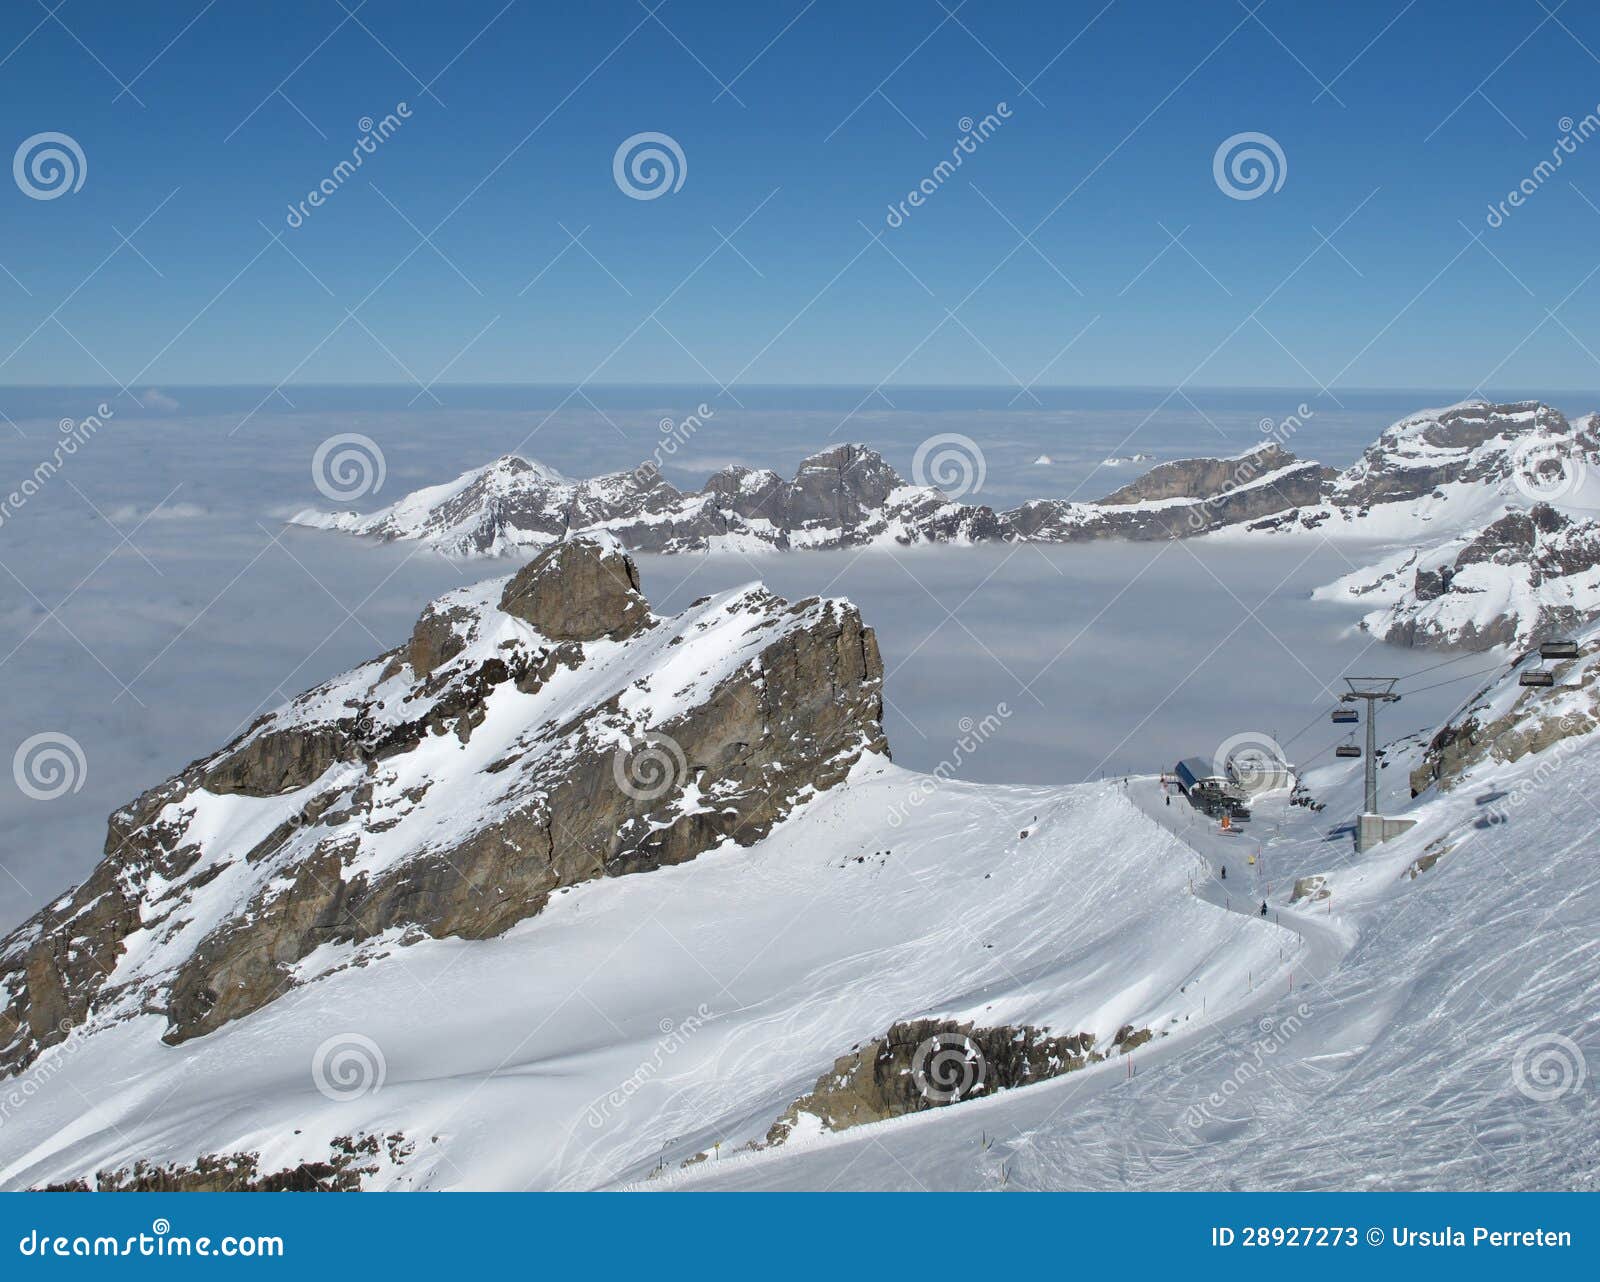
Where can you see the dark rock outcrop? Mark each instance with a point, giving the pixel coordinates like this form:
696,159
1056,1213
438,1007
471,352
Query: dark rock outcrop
929,1063
578,590
1180,499
349,1160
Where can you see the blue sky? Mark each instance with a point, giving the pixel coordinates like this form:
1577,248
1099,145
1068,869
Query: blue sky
1400,124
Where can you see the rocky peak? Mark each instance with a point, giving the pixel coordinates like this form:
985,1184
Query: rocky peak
749,492
1201,478
580,589
535,732
841,486
1475,442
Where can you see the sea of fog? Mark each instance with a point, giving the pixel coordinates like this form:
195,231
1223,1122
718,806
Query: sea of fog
152,601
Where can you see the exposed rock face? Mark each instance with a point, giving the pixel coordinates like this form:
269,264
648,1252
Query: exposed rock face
929,1063
1421,453
1178,499
349,1161
1528,575
578,591
1506,722
1199,478
534,732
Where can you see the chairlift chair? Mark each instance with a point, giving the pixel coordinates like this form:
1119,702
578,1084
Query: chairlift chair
1347,750
1345,716
1537,677
1558,648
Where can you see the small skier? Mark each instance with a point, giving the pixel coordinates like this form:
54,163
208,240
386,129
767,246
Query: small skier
1263,907
1224,872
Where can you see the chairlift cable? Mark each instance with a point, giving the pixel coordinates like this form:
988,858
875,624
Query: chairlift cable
1452,680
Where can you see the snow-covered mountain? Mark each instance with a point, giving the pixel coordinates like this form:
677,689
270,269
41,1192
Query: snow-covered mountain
843,497
562,893
394,935
847,496
1442,496
1449,470
1489,514
1528,575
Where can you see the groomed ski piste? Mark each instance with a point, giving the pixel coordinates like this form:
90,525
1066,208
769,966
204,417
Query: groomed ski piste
1431,1026
1397,1033
641,1020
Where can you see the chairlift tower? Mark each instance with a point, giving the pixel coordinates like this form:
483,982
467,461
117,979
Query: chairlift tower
1371,827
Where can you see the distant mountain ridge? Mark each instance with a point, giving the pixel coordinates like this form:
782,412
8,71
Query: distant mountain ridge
1454,488
846,496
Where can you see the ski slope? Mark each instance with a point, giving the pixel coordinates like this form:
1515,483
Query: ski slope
1440,1032
642,1020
